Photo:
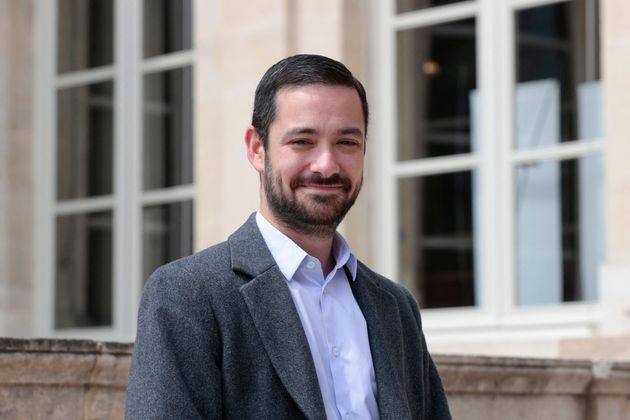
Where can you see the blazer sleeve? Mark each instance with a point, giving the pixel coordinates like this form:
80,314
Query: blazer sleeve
435,402
175,367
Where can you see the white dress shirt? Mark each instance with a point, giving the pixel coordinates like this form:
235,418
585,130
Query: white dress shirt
333,322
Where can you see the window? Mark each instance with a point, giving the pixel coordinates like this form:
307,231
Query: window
117,121
491,188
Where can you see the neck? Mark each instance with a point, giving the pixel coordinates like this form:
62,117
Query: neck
316,246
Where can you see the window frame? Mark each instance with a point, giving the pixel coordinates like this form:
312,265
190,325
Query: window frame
495,162
128,198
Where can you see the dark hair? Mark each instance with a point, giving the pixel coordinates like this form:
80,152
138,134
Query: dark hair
299,70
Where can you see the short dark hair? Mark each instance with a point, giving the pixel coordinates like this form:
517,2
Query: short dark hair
300,70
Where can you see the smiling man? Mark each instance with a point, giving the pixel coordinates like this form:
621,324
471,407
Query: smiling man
282,321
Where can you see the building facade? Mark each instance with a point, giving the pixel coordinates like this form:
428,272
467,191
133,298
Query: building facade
496,183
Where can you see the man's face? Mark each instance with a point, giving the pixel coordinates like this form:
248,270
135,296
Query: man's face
313,167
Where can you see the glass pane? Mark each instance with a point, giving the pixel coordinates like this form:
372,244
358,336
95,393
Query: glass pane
560,230
409,5
83,293
85,34
436,234
167,26
558,95
436,83
167,234
85,141
168,124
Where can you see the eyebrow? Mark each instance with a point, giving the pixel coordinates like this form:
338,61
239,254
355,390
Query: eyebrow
307,130
351,130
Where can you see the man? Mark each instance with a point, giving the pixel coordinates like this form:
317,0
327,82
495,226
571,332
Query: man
281,321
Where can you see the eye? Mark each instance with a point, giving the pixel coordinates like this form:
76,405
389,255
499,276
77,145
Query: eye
300,142
348,142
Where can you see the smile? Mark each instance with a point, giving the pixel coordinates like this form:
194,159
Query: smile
322,187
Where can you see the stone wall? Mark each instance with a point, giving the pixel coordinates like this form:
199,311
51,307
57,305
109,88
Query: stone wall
16,169
64,379
488,388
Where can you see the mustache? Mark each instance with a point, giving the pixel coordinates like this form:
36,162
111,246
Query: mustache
316,179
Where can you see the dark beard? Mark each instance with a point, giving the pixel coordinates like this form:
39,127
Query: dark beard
296,216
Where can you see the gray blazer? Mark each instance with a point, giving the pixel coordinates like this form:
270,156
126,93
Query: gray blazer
219,337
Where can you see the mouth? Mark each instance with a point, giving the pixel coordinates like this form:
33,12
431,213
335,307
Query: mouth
319,185
322,187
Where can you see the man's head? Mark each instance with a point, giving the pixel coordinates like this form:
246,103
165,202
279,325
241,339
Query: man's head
300,70
309,143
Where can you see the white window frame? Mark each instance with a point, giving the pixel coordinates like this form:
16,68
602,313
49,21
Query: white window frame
128,198
496,313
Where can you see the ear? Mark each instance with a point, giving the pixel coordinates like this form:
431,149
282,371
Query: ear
255,149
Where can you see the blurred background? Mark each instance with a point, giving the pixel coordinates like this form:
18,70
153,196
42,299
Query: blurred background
497,185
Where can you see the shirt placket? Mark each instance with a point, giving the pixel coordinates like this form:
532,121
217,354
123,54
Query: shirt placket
336,347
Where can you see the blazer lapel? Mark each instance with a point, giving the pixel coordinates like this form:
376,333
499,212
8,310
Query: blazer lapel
381,314
270,304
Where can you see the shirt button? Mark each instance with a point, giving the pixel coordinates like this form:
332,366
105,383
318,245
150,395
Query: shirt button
310,264
335,350
348,416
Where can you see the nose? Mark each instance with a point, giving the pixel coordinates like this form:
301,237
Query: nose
324,162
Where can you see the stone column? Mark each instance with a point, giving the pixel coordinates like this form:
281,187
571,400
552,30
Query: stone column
16,179
235,42
615,275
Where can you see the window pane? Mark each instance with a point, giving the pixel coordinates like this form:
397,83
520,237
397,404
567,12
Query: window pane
436,80
436,239
558,91
560,230
83,293
167,26
167,234
85,141
168,123
409,5
85,34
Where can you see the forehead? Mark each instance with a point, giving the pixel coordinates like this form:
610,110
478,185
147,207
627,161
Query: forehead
319,103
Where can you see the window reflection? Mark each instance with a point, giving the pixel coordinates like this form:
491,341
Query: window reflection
83,293
436,239
168,124
167,26
85,141
410,5
167,234
436,76
560,230
557,72
85,34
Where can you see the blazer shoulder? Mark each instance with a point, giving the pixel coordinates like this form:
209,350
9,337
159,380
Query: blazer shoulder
193,271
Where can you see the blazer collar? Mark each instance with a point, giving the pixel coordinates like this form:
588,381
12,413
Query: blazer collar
380,309
249,251
278,324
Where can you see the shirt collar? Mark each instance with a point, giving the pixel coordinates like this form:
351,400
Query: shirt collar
289,256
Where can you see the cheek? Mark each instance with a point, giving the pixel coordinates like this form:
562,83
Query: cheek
354,168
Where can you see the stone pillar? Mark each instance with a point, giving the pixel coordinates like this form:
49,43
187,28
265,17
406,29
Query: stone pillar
235,42
615,275
16,179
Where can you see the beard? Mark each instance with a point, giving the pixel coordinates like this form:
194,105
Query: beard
317,214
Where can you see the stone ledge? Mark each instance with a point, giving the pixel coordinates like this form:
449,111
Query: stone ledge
82,379
63,379
48,345
64,362
494,375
